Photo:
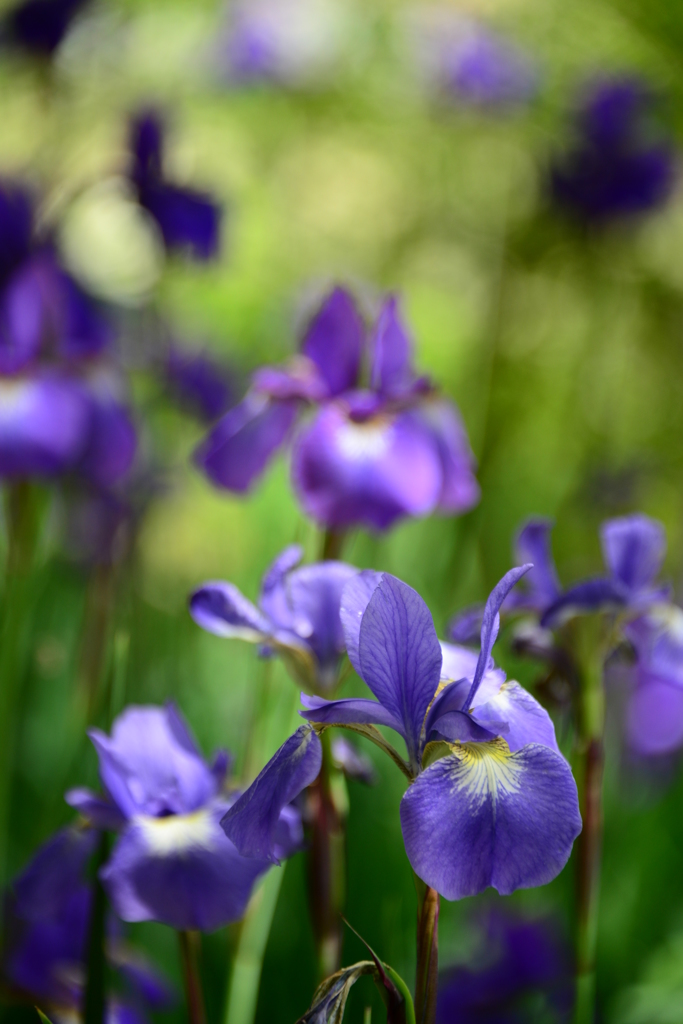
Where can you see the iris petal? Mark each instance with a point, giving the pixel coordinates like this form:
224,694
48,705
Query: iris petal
542,587
352,711
486,817
354,600
222,609
633,548
334,342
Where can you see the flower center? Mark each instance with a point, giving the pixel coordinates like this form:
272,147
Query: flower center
368,440
177,832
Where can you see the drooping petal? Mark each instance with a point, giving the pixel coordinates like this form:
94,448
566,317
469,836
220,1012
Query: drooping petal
102,813
55,872
459,488
541,586
655,716
221,608
400,656
633,548
525,719
150,766
370,473
334,342
242,443
588,596
43,425
349,711
181,870
484,816
354,600
391,349
252,821
491,624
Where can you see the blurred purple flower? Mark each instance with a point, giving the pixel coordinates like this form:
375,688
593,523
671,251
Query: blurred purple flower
621,163
480,810
375,450
46,929
298,616
521,962
172,862
463,59
654,722
198,382
39,26
189,221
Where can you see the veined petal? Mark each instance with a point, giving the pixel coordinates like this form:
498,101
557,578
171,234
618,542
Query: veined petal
100,812
485,816
351,711
391,348
491,624
354,600
542,587
588,596
633,549
460,727
181,870
525,719
370,472
252,821
334,342
243,441
400,656
221,608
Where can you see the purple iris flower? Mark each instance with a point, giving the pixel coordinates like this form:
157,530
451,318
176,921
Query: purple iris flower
491,800
298,616
46,929
521,963
374,450
172,862
654,722
464,59
621,163
189,221
198,382
39,26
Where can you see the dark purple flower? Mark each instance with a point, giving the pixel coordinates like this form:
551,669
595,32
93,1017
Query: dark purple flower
38,26
520,963
46,929
369,455
297,617
493,802
198,382
622,162
189,220
172,862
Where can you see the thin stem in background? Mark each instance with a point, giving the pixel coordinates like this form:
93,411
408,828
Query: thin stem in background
333,544
189,956
95,992
95,637
427,970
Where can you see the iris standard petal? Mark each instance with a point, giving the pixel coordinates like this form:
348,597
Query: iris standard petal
354,600
655,716
334,342
391,352
240,446
148,768
633,549
273,599
400,656
370,472
541,587
459,488
221,608
491,624
99,811
315,593
181,870
43,425
252,821
350,711
484,816
588,596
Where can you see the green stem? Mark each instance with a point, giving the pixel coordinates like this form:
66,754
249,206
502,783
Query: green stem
189,955
333,544
591,721
426,975
95,994
95,637
326,865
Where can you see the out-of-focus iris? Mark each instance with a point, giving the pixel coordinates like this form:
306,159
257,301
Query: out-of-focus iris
38,26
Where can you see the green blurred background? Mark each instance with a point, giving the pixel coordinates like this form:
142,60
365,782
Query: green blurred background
564,351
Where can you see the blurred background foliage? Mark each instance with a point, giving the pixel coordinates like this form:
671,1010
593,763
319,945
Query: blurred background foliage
563,347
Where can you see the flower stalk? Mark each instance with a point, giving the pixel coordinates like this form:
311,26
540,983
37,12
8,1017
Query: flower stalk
94,996
426,975
189,955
